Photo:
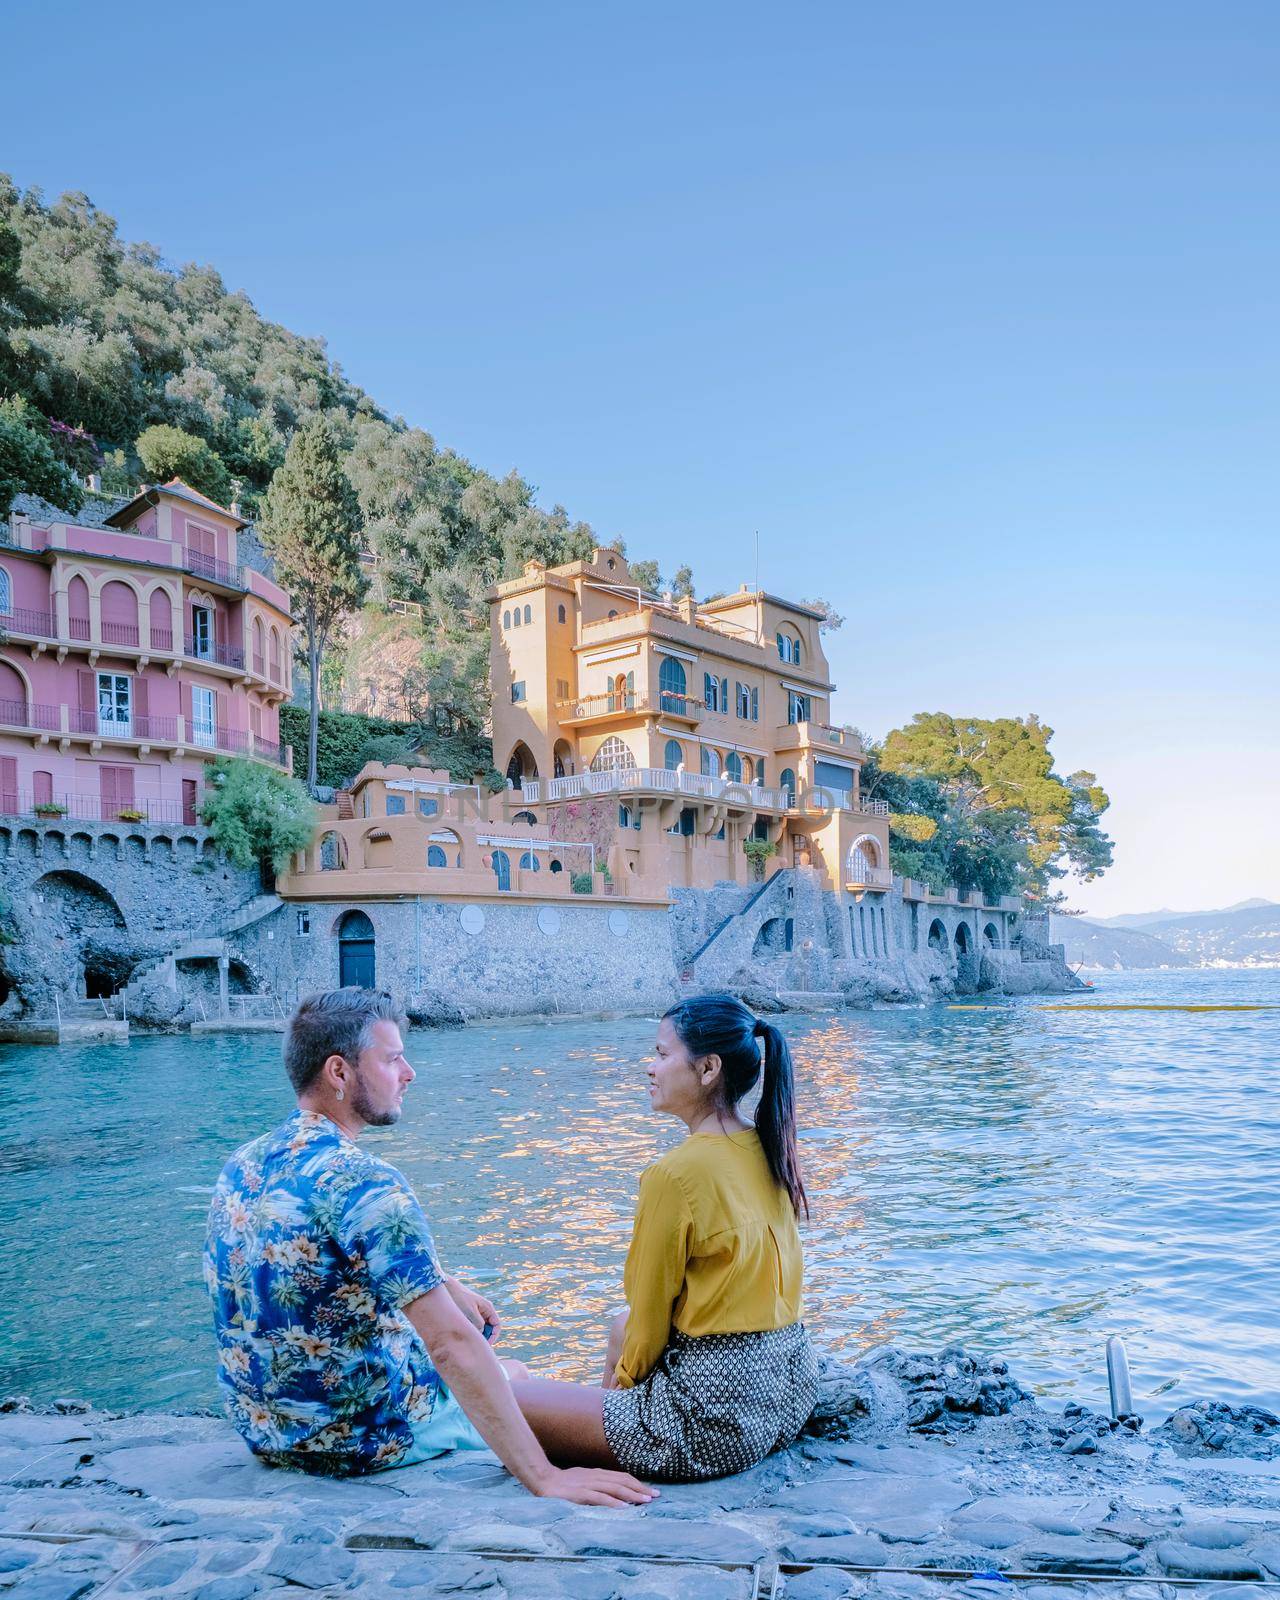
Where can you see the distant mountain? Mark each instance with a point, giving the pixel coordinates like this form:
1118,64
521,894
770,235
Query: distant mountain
1146,919
1119,949
1246,935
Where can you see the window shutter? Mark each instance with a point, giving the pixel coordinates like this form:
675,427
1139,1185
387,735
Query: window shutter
220,712
124,785
141,696
87,683
724,694
8,783
107,791
755,705
184,701
42,786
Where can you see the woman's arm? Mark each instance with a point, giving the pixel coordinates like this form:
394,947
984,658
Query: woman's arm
654,1274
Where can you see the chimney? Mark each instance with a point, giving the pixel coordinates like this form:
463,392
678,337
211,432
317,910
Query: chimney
687,607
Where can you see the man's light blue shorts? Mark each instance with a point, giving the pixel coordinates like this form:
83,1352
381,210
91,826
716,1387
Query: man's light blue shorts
447,1428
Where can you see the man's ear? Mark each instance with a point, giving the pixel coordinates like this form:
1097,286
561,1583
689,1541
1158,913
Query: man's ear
337,1073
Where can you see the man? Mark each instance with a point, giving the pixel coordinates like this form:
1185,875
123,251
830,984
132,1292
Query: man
342,1346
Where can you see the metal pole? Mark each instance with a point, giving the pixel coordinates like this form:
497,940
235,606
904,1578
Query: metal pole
1118,1378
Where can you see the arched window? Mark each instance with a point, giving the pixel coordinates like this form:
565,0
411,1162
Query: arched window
787,783
259,648
6,593
758,775
673,755
500,861
526,816
789,647
733,767
710,762
557,866
612,615
436,856
529,862
672,685
330,853
506,619
273,654
528,613
613,756
515,617
444,849
560,614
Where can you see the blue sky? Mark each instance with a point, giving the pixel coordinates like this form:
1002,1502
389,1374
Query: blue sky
971,311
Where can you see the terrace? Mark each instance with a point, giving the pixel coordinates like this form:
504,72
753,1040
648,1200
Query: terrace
68,723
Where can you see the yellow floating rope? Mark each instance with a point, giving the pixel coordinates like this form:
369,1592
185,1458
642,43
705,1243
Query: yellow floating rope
1154,1008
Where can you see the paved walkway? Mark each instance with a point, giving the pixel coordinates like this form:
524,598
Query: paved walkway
158,1504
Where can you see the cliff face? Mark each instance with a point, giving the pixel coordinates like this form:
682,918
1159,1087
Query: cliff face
1119,949
1241,936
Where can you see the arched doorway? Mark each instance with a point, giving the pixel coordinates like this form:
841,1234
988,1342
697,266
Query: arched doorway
672,686
500,861
963,942
938,937
355,951
561,760
521,766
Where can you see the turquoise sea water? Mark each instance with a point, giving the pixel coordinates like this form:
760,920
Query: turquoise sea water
1025,1180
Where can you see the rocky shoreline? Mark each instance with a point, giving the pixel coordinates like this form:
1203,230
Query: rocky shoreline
922,1476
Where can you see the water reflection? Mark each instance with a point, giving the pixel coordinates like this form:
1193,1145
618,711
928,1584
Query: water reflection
1024,1180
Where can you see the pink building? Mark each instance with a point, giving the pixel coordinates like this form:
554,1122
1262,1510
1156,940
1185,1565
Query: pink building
133,654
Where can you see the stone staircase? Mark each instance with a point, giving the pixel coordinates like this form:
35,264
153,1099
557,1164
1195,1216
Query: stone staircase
209,944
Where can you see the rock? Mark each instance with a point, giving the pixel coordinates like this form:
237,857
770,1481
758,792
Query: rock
52,1586
229,1558
166,1566
311,1566
1213,1426
1214,1535
1083,1556
819,1585
611,1535
499,1538
15,1557
989,1534
241,1587
1181,1560
1268,1554
907,1530
847,1549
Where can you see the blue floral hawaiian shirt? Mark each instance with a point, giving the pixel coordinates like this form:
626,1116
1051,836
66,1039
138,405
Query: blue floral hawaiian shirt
314,1248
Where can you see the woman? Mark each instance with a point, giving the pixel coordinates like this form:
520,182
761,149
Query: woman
710,1368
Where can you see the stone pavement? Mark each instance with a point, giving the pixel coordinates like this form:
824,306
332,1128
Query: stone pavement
914,1502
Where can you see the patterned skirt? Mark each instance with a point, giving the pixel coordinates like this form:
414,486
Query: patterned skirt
714,1406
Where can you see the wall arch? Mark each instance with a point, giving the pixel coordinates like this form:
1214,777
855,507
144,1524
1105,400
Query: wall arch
938,939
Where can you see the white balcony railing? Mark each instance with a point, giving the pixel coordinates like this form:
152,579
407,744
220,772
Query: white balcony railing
857,876
699,785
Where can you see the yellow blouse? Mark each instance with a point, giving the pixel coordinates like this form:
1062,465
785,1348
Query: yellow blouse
715,1249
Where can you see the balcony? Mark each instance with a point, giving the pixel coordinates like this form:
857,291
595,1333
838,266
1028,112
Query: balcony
90,808
859,875
213,571
221,655
599,707
70,722
817,735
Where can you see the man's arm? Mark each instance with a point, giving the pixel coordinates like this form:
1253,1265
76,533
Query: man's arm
471,1372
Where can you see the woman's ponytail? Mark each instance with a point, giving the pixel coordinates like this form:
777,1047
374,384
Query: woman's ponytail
776,1116
720,1025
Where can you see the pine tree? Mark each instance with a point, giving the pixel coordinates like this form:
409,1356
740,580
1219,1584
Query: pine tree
311,523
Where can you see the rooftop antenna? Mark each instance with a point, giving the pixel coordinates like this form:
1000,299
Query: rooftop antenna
757,560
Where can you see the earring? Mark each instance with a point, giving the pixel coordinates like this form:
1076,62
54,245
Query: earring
341,1096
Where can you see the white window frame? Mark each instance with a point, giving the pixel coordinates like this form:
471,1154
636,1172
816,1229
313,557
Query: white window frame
115,697
204,729
202,633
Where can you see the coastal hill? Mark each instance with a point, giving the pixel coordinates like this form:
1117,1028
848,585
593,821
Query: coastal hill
1243,935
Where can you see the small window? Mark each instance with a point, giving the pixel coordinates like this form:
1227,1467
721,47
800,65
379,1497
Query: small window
427,807
612,563
506,619
612,615
526,817
529,862
528,613
6,593
710,762
744,701
562,688
515,617
733,767
517,694
627,818
798,707
304,924
720,834
395,805
556,865
436,856
673,755
560,614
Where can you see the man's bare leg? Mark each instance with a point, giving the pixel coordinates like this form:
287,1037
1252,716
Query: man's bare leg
567,1419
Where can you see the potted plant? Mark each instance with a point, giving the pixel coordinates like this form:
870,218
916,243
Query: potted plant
757,852
49,808
130,814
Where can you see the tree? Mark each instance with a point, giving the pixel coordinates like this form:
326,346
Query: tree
168,452
1006,818
255,814
28,463
831,618
311,524
647,575
682,584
